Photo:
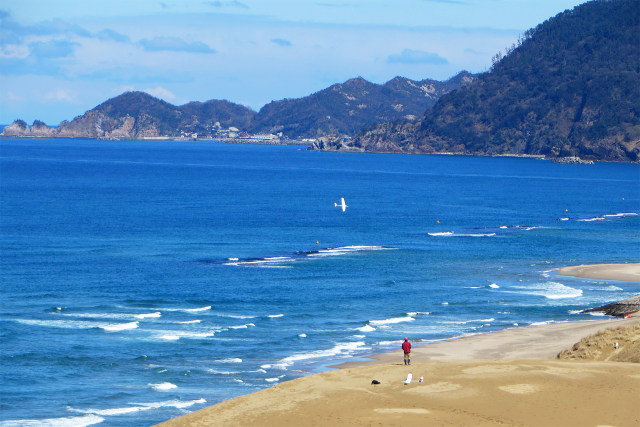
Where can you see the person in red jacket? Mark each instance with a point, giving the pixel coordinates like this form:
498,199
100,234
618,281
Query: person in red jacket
406,347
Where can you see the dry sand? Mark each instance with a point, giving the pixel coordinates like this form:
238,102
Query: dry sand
623,272
507,378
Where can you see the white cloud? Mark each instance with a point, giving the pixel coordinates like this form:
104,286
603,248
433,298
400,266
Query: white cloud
175,44
59,95
160,92
13,97
411,56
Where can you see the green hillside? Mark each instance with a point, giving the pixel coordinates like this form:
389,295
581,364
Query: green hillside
569,87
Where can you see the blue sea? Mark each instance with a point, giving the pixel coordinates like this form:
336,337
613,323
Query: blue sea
144,280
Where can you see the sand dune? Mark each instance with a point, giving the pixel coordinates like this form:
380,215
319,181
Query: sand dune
482,390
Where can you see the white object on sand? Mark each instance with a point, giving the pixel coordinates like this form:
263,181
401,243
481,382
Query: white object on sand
421,379
409,378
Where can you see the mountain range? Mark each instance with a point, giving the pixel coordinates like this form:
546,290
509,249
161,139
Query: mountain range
569,87
338,111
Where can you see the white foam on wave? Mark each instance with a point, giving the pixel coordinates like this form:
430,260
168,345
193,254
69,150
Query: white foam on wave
65,324
273,316
197,310
597,218
120,326
546,322
551,290
494,286
188,310
112,411
245,326
441,233
113,316
176,335
187,322
366,328
386,343
620,215
163,386
302,335
464,322
270,262
218,372
342,349
391,320
342,250
230,360
179,404
418,313
282,366
236,316
154,315
85,420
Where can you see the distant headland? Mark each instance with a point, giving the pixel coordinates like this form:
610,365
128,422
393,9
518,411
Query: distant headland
338,112
568,90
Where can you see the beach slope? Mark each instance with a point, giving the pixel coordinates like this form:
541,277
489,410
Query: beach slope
480,391
559,374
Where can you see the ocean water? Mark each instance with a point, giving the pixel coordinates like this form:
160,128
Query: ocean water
144,280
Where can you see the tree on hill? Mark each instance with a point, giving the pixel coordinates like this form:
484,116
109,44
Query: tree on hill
568,87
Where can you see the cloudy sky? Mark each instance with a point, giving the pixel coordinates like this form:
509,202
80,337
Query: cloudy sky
59,58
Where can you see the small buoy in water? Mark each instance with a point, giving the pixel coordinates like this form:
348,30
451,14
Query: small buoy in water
438,221
566,210
317,242
623,198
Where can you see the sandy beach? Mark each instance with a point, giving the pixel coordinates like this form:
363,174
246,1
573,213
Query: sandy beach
623,272
512,377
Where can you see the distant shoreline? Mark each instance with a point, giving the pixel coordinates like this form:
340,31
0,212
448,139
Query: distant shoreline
294,142
162,138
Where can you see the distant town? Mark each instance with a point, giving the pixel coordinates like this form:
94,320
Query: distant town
233,134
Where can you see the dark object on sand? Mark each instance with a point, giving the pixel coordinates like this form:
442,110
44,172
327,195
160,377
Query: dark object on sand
620,309
375,382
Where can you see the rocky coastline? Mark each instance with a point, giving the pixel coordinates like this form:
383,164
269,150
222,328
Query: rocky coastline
623,308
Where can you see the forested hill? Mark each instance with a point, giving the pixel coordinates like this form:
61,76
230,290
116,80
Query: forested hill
347,108
569,87
340,110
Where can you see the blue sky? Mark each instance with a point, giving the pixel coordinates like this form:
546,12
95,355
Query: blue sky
59,58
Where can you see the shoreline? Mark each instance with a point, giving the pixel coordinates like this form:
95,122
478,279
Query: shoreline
502,377
507,377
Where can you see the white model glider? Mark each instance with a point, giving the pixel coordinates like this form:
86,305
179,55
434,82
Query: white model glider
342,204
